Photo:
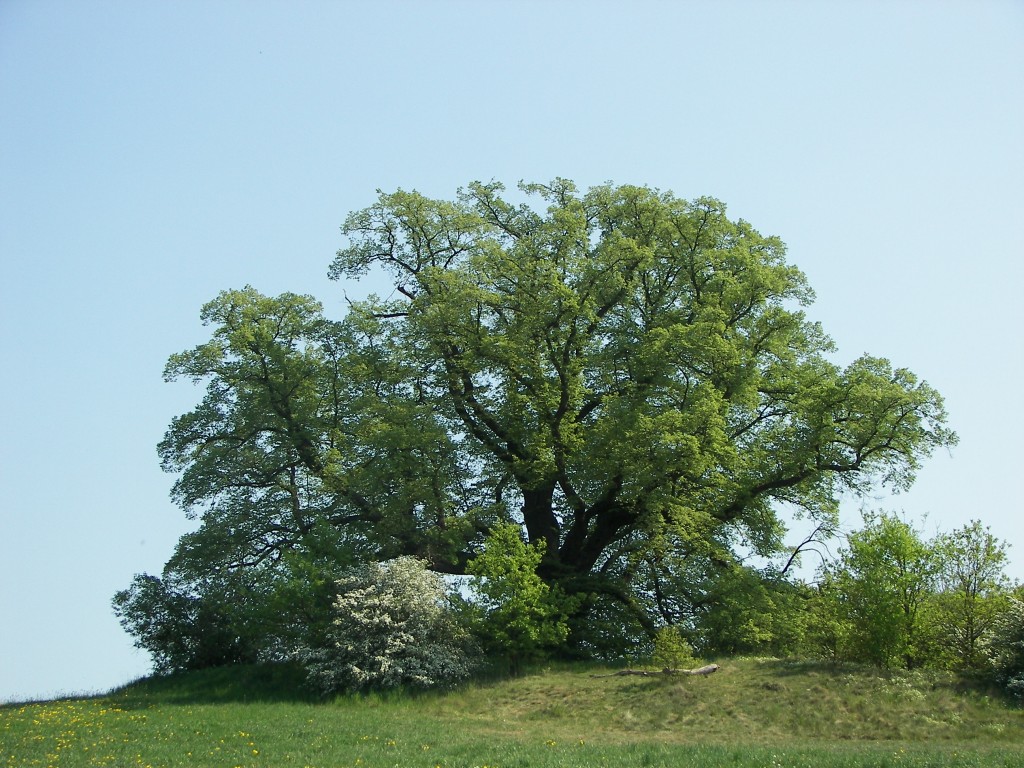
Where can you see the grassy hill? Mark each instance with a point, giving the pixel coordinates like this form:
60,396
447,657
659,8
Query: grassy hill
751,713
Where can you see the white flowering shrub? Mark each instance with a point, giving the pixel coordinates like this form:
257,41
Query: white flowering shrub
393,627
1005,648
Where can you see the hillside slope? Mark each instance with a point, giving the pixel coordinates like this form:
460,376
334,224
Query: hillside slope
751,712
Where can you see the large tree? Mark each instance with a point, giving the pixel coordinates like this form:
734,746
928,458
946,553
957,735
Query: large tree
627,375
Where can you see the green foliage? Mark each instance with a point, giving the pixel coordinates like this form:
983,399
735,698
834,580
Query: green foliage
182,630
828,626
973,591
880,583
608,628
672,650
893,598
516,614
746,611
393,626
200,614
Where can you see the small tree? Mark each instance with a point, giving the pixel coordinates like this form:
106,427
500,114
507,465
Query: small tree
671,649
516,614
882,580
828,628
973,592
749,611
393,626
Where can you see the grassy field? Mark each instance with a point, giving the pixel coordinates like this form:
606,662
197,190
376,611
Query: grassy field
761,713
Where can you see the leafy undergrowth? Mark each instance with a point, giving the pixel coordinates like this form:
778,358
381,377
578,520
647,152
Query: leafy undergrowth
750,713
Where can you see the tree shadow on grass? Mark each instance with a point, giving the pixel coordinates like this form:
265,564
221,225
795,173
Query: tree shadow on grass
235,684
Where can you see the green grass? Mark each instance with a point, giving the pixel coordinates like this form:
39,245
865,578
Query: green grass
761,713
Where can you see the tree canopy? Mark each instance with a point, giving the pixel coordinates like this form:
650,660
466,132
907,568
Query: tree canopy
628,376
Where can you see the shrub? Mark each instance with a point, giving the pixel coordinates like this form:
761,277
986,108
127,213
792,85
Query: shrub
749,611
882,581
517,615
393,626
1005,646
181,628
672,650
974,591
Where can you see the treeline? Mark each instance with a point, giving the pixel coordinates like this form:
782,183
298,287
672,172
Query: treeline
889,598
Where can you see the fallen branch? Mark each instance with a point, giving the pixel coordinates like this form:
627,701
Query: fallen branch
707,670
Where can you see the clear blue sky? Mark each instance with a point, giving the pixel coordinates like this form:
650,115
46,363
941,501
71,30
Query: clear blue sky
154,153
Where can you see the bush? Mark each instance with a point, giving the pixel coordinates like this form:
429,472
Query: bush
182,628
748,611
393,626
517,615
1005,646
881,583
672,650
974,590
